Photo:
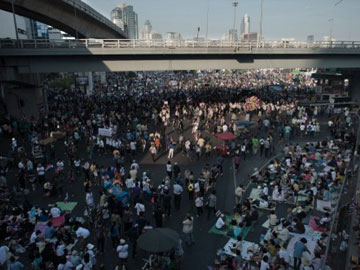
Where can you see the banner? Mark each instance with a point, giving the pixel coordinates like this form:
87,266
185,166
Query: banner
107,132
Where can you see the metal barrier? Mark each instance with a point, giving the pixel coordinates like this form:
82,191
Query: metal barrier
336,212
173,44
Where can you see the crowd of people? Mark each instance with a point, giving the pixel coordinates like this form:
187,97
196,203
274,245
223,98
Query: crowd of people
309,177
98,140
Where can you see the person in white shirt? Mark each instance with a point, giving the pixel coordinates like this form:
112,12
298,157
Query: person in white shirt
34,236
272,218
284,233
135,165
129,183
122,250
55,211
264,265
82,232
60,249
140,207
220,223
90,200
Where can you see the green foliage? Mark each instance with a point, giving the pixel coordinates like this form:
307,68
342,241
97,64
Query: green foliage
63,82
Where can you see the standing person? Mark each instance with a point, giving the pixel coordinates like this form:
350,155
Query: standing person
211,203
158,216
255,145
237,163
152,150
169,169
133,236
100,238
188,223
177,190
123,252
199,203
167,202
41,173
114,234
300,247
179,252
171,150
243,151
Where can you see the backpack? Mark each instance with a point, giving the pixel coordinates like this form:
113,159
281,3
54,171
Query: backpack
190,187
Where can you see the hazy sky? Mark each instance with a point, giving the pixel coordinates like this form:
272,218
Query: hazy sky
282,18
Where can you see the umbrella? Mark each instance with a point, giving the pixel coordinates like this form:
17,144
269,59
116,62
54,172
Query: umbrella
226,136
158,240
244,124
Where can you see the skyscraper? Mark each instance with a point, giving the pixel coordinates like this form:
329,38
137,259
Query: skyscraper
146,30
125,17
245,25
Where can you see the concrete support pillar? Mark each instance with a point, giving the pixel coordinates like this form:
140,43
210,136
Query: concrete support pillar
355,87
24,102
102,77
90,86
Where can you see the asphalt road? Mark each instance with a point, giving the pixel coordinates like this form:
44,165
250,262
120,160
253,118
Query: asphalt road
203,252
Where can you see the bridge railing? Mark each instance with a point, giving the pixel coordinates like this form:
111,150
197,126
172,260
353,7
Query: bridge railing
173,44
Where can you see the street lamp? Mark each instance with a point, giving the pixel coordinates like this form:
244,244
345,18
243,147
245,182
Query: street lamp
207,20
261,20
15,24
332,20
235,4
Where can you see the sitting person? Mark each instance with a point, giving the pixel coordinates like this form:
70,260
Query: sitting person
237,229
263,204
273,219
237,245
284,232
298,226
220,223
277,194
324,221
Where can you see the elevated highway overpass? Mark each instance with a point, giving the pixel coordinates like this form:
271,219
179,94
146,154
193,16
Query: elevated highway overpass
72,16
38,56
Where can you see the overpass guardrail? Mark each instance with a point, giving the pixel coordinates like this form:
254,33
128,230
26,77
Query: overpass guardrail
173,44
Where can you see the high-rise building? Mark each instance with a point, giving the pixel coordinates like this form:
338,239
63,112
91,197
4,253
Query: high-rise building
146,30
37,30
245,25
7,26
155,35
125,17
173,36
233,36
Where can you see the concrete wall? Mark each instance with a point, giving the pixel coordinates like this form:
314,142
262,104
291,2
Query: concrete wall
32,101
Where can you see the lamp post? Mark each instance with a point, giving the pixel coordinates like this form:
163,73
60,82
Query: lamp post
235,4
207,20
15,24
261,20
332,20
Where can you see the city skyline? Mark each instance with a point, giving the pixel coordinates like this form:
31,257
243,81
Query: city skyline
282,18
